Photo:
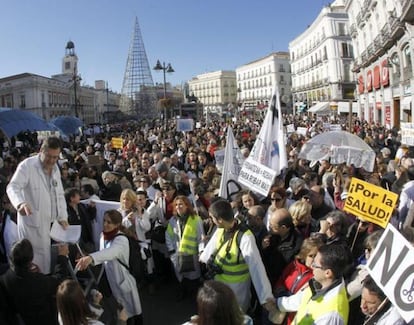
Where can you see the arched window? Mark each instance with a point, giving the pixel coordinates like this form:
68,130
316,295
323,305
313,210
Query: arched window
406,56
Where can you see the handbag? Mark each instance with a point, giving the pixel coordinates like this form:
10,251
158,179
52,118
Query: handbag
185,263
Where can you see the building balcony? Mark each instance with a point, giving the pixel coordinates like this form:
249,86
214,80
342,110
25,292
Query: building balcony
407,12
387,41
370,50
364,57
396,26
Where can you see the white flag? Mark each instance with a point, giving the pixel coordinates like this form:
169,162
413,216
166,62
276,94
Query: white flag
233,160
270,148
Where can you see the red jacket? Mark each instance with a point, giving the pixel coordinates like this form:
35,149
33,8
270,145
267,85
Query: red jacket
294,276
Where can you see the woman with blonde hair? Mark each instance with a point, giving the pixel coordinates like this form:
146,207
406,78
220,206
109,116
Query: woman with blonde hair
299,271
302,219
136,220
72,306
135,217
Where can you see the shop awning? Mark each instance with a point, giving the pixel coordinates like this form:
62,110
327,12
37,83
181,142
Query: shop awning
321,108
343,107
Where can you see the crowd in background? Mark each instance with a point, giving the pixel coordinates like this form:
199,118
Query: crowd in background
170,179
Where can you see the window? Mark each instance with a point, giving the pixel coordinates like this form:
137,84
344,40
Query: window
6,100
341,29
22,101
43,100
345,50
67,65
406,57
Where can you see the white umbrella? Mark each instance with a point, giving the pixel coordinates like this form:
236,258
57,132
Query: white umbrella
339,147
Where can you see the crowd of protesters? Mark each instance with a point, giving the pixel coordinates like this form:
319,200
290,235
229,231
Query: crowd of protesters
167,184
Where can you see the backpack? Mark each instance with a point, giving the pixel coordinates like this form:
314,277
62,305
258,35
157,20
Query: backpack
136,265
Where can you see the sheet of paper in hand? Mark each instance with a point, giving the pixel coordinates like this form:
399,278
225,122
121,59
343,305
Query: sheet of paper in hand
69,235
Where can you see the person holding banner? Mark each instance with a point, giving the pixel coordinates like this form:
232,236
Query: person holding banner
376,306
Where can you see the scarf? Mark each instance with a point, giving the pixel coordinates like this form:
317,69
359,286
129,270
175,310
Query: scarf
109,235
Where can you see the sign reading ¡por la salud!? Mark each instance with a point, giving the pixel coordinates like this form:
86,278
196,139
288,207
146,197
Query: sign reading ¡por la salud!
370,202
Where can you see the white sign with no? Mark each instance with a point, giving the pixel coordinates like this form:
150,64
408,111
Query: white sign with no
392,267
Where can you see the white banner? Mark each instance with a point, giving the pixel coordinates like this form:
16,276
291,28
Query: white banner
290,128
407,133
335,127
301,130
219,158
185,124
392,267
256,177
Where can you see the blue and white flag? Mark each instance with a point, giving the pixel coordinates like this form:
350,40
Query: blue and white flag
270,148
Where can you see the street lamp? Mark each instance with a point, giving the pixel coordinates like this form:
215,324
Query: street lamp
76,79
165,68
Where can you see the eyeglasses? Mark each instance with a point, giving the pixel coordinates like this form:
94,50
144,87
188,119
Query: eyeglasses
314,266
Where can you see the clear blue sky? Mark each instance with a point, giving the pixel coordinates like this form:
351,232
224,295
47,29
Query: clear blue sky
196,36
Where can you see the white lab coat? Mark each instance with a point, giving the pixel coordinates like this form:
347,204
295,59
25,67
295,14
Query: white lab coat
121,282
29,184
251,255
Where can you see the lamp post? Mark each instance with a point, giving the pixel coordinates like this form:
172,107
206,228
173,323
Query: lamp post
165,68
76,79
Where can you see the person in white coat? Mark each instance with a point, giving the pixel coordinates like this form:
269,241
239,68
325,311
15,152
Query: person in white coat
113,250
137,222
37,194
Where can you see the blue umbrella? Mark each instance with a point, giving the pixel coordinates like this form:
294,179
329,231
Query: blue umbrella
68,125
14,121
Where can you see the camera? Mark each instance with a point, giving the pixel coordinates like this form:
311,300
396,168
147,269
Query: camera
212,269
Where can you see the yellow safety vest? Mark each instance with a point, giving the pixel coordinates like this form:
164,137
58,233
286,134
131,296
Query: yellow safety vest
335,300
235,269
188,243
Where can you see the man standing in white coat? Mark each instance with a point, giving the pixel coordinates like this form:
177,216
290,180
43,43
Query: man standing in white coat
36,192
